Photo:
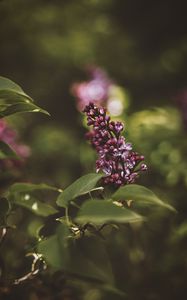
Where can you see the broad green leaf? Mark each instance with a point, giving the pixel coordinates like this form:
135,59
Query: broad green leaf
14,100
85,257
4,209
29,187
6,83
52,252
9,96
104,211
22,194
81,186
6,151
54,248
36,206
19,108
139,193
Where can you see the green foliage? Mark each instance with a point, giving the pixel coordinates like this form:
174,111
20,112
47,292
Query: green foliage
77,256
166,153
105,211
140,194
7,84
24,194
44,45
14,100
29,187
75,239
77,246
6,151
81,186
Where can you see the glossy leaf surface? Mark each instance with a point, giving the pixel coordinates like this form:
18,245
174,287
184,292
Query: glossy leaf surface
14,100
81,186
139,193
25,195
103,211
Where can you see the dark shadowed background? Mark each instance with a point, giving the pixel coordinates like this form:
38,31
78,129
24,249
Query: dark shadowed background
45,47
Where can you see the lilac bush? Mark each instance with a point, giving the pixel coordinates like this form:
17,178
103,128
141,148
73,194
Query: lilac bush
78,213
116,158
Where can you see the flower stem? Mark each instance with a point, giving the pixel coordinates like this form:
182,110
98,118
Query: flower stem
67,217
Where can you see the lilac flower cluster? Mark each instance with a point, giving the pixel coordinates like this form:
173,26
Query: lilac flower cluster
116,158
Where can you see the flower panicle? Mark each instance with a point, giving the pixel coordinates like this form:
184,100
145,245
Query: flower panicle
115,156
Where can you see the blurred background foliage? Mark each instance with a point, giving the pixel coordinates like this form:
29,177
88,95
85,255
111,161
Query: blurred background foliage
142,45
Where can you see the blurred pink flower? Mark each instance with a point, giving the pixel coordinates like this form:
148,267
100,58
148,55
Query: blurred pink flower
95,90
10,137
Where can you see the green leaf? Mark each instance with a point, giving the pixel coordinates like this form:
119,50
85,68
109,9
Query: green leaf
14,100
9,96
81,186
36,206
54,249
6,151
103,211
4,209
85,257
141,194
6,83
20,108
29,187
22,194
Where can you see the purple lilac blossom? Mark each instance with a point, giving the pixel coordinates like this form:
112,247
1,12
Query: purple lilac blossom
96,89
116,157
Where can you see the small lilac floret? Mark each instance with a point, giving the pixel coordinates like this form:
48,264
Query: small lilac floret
116,158
143,167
